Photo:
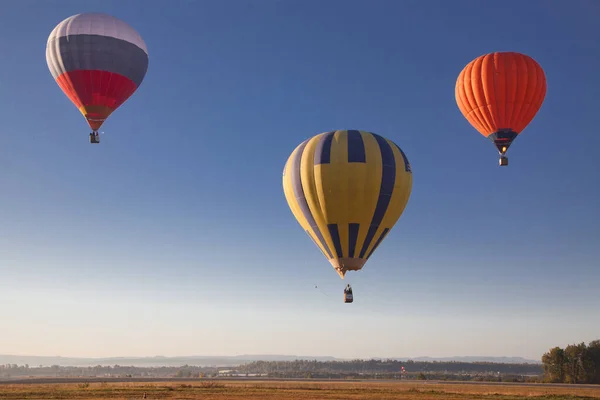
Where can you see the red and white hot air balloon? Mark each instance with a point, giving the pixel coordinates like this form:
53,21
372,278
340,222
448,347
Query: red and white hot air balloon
98,61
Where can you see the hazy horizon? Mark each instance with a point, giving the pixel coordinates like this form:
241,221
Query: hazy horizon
196,354
173,236
159,360
254,355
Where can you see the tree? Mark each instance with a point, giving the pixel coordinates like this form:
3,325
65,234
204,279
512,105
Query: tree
591,362
575,371
555,362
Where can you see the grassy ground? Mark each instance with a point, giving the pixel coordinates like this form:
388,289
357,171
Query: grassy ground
214,390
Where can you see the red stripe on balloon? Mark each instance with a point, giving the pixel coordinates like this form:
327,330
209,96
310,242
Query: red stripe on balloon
96,88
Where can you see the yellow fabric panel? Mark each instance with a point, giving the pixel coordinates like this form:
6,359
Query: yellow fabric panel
331,181
400,196
310,190
289,192
293,202
368,187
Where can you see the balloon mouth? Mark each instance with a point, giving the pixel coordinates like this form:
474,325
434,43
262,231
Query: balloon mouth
95,124
343,265
95,115
502,139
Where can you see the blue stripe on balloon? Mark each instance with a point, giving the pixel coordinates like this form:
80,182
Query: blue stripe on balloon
301,198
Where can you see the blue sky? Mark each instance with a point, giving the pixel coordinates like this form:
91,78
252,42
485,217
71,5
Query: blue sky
173,236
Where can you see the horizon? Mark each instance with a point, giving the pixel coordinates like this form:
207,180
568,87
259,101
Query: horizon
173,235
253,355
249,355
167,360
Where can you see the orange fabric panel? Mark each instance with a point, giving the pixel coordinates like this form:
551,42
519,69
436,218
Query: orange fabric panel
502,90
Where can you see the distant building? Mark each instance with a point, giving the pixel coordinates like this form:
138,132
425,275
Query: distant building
233,372
229,372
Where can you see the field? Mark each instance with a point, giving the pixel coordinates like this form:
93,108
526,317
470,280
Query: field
296,390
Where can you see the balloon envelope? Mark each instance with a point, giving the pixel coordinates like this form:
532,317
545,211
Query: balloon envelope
500,94
347,189
98,61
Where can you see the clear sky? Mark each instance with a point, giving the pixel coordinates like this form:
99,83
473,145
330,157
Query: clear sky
173,236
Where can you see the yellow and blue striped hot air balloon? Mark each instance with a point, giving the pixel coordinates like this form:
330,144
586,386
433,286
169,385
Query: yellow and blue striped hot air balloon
347,189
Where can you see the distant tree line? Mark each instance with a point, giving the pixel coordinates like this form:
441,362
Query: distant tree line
12,371
391,369
364,369
576,363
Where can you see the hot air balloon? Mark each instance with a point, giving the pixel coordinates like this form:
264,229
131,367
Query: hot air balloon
98,61
347,189
500,94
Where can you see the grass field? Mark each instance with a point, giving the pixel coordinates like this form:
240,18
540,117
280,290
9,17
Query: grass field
218,390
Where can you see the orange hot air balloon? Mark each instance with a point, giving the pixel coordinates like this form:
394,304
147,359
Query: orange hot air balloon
500,94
